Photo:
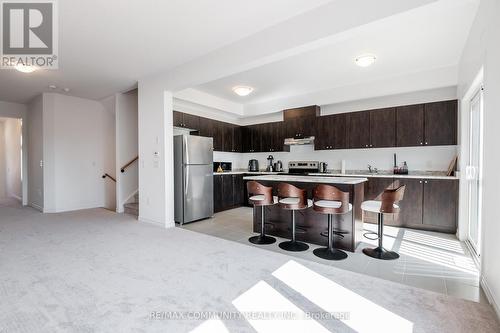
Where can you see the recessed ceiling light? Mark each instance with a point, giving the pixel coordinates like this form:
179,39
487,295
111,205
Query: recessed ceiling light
51,86
25,68
365,60
242,90
66,89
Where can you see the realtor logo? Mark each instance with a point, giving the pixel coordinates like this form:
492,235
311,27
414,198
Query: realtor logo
29,34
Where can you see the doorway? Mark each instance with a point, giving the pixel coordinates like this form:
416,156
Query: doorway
474,172
11,159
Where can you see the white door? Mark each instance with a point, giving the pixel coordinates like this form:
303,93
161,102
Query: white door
473,171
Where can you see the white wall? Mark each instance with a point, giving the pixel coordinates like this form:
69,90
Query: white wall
35,153
74,149
127,146
3,162
13,157
109,151
483,50
15,110
156,167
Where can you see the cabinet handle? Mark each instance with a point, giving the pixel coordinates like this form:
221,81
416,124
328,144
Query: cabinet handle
366,145
421,143
425,142
420,182
426,181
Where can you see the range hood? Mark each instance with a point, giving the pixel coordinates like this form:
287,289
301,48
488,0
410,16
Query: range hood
302,141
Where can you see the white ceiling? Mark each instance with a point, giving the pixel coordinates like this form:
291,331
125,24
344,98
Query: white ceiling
106,46
424,39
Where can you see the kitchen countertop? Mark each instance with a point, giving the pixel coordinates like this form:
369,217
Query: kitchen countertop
308,179
382,174
353,173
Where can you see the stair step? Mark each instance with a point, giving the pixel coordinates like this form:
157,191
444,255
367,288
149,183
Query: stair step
131,208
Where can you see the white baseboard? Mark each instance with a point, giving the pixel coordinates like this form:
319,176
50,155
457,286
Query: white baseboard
35,206
160,224
490,297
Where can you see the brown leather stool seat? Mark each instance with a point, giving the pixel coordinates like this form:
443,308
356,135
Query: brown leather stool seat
261,196
331,201
293,198
388,205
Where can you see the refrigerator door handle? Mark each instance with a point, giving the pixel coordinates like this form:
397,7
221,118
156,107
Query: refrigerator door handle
186,177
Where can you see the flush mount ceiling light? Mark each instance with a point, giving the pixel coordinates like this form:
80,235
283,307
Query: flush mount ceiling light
242,90
365,60
25,68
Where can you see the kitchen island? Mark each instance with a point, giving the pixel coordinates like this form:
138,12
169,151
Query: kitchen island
311,225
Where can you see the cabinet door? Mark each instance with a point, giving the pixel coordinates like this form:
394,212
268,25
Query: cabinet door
324,133
256,138
205,127
359,129
227,137
440,204
410,125
411,206
227,191
383,128
191,121
237,139
291,128
338,123
246,139
266,137
373,191
238,190
218,193
278,136
441,123
177,119
218,134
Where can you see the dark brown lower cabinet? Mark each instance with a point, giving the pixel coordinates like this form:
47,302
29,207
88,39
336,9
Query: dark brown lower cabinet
228,192
428,204
440,204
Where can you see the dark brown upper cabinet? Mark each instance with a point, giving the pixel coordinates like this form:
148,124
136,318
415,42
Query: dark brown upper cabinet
251,139
383,128
331,132
410,125
440,123
206,127
358,129
186,120
301,122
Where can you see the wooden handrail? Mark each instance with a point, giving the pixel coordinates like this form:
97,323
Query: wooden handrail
110,177
128,164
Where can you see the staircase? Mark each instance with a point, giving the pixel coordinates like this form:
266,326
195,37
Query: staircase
132,207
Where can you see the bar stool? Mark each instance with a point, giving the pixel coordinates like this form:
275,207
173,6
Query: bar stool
260,195
386,206
293,198
331,201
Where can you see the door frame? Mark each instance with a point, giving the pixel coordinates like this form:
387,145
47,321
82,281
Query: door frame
464,153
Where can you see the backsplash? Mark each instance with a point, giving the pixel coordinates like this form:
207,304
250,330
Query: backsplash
436,158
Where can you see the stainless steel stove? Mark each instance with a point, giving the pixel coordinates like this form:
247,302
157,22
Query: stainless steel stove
303,167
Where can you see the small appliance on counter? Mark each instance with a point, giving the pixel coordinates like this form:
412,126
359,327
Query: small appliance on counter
278,166
402,170
270,166
323,167
303,167
253,165
223,166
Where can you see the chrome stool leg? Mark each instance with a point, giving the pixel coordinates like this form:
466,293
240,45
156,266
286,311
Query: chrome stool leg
379,252
293,245
262,239
330,252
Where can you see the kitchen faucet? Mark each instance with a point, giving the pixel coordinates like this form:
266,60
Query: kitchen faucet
372,170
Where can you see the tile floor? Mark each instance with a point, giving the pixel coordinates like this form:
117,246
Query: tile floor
429,260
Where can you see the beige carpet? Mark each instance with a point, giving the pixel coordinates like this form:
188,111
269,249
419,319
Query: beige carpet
96,271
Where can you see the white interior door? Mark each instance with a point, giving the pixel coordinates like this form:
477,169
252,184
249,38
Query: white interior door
473,172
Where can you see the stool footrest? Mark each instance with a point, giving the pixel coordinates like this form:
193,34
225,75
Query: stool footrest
371,233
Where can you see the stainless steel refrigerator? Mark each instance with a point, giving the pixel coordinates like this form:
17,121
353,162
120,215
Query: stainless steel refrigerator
193,178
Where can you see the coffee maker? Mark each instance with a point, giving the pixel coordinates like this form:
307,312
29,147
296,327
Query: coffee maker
253,166
270,166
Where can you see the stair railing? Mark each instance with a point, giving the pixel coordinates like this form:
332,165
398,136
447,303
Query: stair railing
123,168
109,176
